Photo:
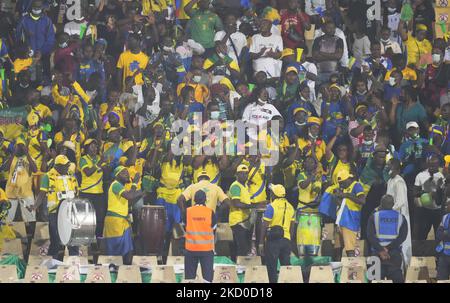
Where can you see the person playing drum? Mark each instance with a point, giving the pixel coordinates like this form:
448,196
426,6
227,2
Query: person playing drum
309,221
117,231
56,186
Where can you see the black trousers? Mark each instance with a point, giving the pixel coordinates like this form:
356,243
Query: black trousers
392,269
276,250
242,241
191,260
425,219
443,267
55,244
100,203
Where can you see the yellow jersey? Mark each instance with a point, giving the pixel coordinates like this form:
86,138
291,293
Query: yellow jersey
240,192
130,63
277,211
257,185
417,49
92,184
77,138
211,169
20,180
116,203
214,193
58,188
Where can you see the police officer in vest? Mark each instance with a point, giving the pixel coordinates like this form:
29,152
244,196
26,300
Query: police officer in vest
386,231
443,235
276,230
200,224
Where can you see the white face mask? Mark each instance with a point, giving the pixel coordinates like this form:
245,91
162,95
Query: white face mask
300,123
261,101
197,79
362,93
385,41
36,12
436,58
370,142
392,9
215,115
63,45
31,53
312,136
392,81
168,49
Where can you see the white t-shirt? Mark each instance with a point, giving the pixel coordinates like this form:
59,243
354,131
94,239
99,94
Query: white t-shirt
361,47
239,41
73,28
270,66
340,34
311,68
258,115
423,176
312,5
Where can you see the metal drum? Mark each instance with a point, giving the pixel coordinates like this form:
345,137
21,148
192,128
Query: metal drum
151,228
76,222
309,233
258,224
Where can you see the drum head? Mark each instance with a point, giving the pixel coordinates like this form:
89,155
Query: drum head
64,222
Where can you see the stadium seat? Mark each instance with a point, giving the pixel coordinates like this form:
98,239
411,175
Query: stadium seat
163,274
12,247
37,260
256,274
416,281
417,273
145,261
116,260
36,274
67,274
225,274
8,274
223,232
19,229
352,273
175,260
382,281
321,274
429,262
98,274
290,274
39,247
354,261
75,260
248,260
129,274
41,232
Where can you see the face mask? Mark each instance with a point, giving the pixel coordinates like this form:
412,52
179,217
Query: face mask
261,101
300,123
63,45
312,136
36,11
362,93
24,85
215,115
415,136
31,53
392,81
196,79
168,49
369,142
392,9
385,41
436,58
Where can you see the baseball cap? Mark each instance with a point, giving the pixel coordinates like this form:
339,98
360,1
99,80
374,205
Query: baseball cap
412,124
242,168
278,190
343,175
61,160
291,69
287,52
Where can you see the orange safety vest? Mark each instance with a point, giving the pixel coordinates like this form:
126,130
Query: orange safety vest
199,232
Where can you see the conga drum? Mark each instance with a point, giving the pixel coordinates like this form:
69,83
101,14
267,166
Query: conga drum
151,228
258,224
309,232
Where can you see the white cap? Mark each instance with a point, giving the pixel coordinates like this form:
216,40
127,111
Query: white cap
412,124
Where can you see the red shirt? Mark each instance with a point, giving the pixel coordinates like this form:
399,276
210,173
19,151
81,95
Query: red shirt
289,19
65,60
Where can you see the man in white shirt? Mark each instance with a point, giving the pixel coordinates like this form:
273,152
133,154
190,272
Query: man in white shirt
259,113
396,187
265,51
428,188
234,40
74,27
387,44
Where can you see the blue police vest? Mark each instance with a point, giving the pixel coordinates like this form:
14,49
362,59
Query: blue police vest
387,226
444,246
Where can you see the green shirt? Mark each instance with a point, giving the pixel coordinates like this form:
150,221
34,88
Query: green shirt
203,26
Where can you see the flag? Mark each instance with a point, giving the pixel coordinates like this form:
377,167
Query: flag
12,121
327,206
